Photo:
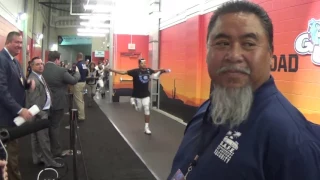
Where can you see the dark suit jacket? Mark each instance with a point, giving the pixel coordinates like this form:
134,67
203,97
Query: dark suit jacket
58,80
12,91
38,96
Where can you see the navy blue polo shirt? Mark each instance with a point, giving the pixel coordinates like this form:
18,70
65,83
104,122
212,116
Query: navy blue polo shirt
83,70
276,142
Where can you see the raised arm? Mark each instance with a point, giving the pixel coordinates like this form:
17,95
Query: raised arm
118,72
71,79
161,70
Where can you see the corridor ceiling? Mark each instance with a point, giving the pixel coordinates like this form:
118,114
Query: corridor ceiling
63,16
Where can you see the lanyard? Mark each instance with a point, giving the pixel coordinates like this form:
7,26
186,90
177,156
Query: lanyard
202,143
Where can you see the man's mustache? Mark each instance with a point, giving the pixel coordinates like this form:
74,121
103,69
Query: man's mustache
234,69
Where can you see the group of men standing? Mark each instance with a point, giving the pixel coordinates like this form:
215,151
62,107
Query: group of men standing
46,87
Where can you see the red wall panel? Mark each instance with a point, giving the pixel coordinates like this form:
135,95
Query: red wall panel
5,28
125,62
36,52
97,59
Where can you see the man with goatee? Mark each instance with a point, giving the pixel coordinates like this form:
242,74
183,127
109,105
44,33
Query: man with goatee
247,130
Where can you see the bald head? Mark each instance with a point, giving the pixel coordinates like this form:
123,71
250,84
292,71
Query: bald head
79,56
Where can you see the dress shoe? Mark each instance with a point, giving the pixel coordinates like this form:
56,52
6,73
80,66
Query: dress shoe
59,155
39,163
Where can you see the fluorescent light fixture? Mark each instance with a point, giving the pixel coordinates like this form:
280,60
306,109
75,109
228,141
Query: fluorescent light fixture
22,16
94,7
40,36
101,25
92,34
54,47
96,17
95,30
98,8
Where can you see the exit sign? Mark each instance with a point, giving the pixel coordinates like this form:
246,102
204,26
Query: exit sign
131,46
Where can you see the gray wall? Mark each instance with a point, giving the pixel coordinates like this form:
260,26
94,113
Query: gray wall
69,53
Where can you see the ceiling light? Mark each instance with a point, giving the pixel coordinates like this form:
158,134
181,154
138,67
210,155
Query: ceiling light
22,16
96,17
95,30
98,8
101,25
92,34
40,36
94,7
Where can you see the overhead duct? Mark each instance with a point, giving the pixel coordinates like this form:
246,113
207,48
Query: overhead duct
110,3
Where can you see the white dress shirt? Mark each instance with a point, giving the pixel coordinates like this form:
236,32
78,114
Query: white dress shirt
48,102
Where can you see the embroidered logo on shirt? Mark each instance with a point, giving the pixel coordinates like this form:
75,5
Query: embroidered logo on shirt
84,66
228,146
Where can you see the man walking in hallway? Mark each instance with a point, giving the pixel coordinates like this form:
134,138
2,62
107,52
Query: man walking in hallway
12,96
140,94
58,79
79,87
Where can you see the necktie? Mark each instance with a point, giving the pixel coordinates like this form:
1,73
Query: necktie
47,89
15,62
16,66
44,82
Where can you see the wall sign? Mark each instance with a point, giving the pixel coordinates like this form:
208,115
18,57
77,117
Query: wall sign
98,53
285,63
74,40
308,42
130,54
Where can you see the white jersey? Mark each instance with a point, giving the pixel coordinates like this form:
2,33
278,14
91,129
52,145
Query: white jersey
101,73
97,67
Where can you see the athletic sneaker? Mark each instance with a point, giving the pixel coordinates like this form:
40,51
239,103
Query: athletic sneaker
147,130
132,101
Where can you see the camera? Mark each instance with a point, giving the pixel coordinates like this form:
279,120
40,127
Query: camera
73,69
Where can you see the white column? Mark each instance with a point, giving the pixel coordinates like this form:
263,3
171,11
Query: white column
111,59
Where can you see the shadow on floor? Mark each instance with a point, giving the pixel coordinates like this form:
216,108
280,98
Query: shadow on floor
106,155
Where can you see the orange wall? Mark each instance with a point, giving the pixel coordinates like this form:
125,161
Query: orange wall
182,48
302,88
125,62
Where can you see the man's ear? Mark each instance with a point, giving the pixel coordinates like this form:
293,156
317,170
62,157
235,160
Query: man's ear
271,59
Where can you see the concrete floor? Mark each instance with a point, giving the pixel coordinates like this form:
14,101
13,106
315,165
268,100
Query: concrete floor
157,150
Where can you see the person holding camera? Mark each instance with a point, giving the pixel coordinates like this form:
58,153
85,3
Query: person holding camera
58,79
91,82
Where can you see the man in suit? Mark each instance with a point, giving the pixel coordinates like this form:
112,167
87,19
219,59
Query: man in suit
12,100
58,79
40,96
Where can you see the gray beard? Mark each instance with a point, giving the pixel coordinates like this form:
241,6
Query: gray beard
231,106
